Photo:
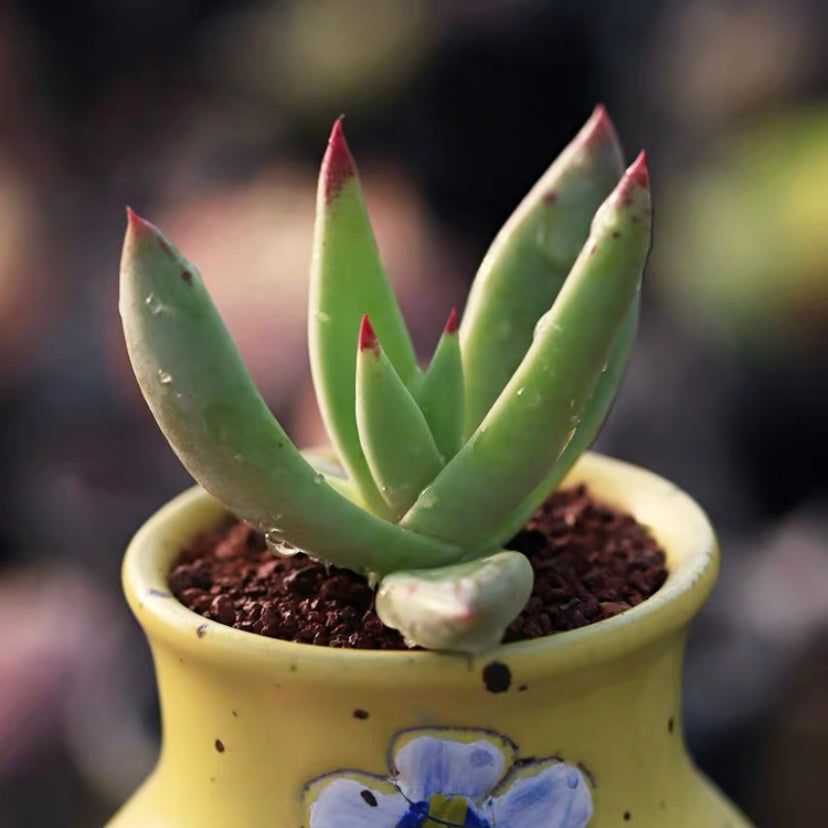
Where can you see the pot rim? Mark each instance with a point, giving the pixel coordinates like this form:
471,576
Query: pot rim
677,522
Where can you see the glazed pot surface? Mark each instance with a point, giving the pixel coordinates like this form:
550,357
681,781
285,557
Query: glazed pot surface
579,728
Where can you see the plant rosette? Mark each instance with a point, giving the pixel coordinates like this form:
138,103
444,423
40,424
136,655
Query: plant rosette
432,471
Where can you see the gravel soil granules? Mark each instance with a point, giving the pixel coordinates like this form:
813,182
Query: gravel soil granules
590,561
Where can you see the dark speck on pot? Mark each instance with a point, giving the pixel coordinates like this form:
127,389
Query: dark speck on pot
497,677
159,593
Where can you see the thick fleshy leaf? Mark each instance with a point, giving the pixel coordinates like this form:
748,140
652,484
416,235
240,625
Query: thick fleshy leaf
539,410
587,430
529,259
395,437
440,392
348,281
462,608
197,387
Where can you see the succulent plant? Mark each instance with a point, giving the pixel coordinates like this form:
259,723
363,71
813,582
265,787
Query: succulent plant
436,468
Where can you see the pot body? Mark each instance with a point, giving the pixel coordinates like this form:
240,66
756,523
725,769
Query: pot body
580,728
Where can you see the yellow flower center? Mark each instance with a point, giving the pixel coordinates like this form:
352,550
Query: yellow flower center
449,810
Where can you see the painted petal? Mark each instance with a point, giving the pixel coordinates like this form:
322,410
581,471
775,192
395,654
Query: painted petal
355,801
549,794
462,766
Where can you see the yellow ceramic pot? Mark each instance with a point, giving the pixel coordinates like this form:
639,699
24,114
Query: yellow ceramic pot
580,728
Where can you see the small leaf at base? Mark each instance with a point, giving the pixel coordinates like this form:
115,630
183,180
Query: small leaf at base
462,608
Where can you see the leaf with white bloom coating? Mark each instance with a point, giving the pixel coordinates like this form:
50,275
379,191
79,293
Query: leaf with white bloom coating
527,263
395,437
525,386
197,387
440,392
538,412
463,608
586,431
348,280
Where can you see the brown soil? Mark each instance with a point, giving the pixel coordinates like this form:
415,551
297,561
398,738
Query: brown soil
591,562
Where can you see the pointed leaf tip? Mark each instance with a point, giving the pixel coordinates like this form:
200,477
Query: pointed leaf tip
599,129
135,223
639,171
451,323
338,164
637,177
367,337
600,120
142,232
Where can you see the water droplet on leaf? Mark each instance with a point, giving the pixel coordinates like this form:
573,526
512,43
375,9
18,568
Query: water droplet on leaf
542,235
278,545
427,498
153,303
164,378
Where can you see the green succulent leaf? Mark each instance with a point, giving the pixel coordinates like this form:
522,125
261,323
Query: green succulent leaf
348,280
587,430
537,414
397,442
197,387
440,392
529,259
435,470
462,608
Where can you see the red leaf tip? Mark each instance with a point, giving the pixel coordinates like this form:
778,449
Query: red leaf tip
451,324
638,171
599,113
637,177
136,224
367,337
338,164
599,128
140,230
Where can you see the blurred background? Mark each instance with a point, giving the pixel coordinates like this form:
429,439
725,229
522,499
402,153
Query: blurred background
210,117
